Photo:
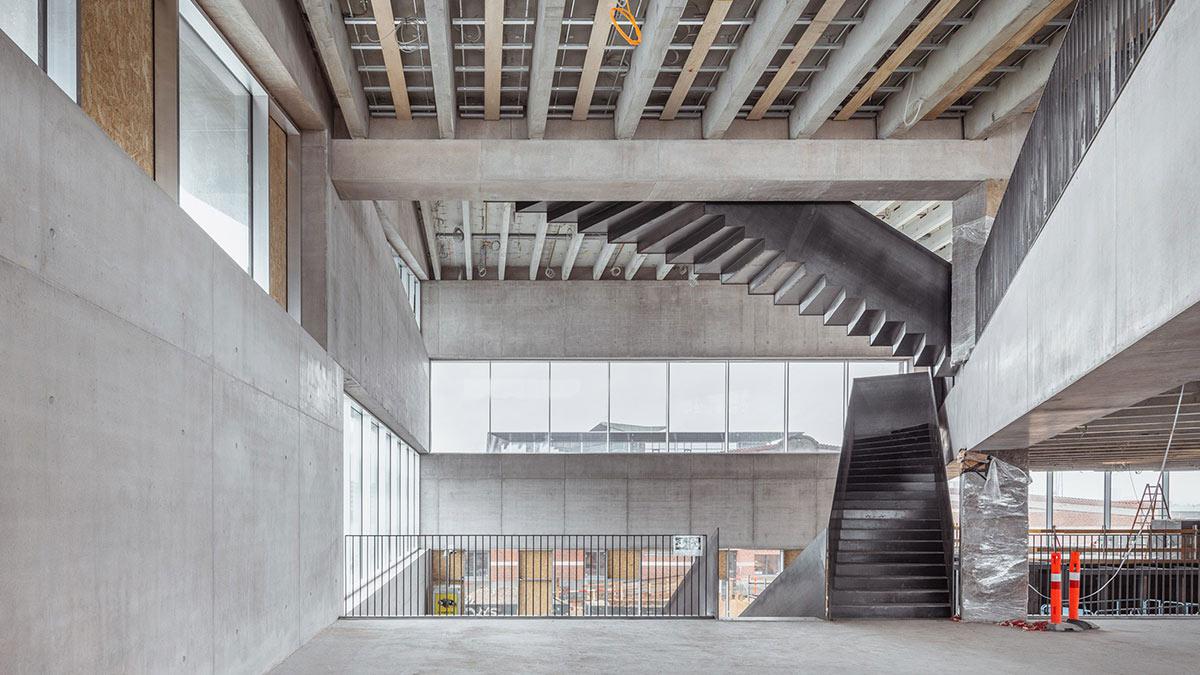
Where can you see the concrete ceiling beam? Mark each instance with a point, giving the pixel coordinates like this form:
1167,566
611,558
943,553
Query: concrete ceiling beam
658,31
541,68
995,23
773,21
333,48
882,25
441,63
1017,94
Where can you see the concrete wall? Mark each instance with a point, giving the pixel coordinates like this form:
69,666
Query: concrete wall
622,319
1105,309
776,500
355,304
170,440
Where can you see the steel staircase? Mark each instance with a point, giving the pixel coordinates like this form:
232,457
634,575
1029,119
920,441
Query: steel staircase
888,550
828,259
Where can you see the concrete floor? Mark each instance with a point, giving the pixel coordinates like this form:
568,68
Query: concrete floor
658,646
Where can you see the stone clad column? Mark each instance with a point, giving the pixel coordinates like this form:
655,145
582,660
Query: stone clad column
994,525
973,215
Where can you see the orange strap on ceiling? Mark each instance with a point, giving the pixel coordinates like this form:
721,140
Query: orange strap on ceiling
619,11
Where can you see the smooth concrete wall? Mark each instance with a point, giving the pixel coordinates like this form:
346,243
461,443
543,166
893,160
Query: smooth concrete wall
170,440
373,333
354,302
1105,309
622,319
768,501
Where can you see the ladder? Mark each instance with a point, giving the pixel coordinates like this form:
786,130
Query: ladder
1152,506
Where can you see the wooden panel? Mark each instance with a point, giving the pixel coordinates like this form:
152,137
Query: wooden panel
601,28
493,42
278,192
116,73
723,565
790,555
385,24
447,565
804,45
535,565
691,67
535,598
624,563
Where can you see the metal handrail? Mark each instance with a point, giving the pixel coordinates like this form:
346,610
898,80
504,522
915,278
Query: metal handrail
1100,51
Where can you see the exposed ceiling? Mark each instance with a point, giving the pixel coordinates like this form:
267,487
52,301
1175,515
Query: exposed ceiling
611,57
1136,436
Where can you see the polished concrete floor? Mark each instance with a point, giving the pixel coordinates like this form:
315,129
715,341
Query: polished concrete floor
661,646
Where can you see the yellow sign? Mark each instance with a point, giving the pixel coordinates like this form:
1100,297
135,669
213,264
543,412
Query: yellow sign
445,603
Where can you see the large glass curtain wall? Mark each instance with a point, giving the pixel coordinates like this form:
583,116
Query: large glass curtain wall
1092,500
643,406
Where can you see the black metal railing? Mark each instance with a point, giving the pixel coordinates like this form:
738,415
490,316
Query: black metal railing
1123,573
1099,52
530,575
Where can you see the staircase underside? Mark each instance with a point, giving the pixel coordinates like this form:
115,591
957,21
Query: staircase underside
832,260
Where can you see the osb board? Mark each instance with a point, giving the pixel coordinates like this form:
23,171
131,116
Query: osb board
534,598
535,565
790,555
277,192
447,566
624,563
116,73
723,564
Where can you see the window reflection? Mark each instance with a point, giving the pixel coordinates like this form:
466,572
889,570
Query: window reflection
696,404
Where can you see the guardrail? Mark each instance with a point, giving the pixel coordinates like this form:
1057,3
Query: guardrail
530,575
1124,573
1098,54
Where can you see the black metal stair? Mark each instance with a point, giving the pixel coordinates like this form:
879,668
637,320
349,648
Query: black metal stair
827,259
888,549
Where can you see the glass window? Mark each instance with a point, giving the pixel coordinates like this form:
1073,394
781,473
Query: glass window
19,21
696,417
816,405
856,369
1039,519
638,396
1183,492
767,563
578,406
353,467
1078,500
1127,489
214,145
520,406
756,406
459,412
371,473
397,491
412,288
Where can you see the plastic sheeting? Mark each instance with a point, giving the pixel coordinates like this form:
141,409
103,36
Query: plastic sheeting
995,523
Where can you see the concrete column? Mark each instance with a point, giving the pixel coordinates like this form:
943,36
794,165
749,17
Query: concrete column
973,216
994,525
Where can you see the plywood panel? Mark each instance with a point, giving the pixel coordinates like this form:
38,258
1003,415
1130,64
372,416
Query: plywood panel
277,177
535,598
723,564
624,563
447,565
116,73
790,555
535,565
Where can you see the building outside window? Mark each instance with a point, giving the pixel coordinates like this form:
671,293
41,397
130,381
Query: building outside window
643,406
223,116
